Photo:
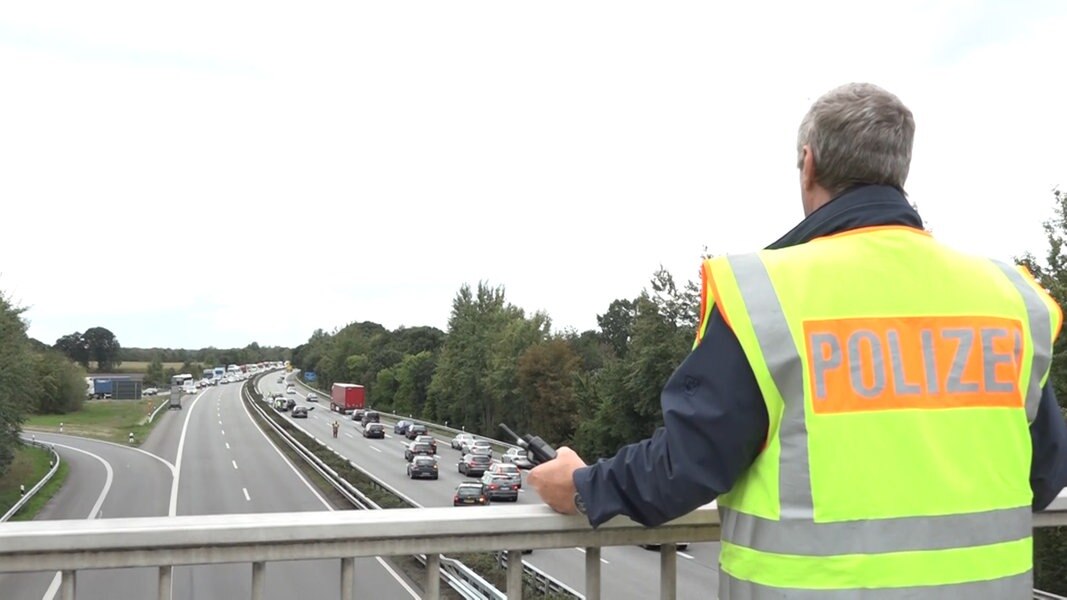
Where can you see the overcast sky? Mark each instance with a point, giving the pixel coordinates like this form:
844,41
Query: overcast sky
217,173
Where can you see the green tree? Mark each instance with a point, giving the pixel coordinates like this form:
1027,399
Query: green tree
74,346
413,377
154,375
59,385
616,325
103,347
1050,544
16,379
546,377
382,395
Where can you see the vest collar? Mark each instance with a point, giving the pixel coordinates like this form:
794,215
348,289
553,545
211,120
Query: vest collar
862,206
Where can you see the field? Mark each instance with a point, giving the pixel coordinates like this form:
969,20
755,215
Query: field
141,366
110,420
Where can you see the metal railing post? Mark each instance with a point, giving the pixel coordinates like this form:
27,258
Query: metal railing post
592,573
348,578
259,579
164,582
68,585
514,574
432,589
668,571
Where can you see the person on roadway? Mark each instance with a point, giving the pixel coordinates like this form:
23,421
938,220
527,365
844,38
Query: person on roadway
870,408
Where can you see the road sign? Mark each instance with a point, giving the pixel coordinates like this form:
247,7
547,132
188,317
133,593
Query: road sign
310,376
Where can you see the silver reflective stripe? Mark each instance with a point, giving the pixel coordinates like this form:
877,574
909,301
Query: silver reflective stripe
876,535
1011,587
783,359
1040,334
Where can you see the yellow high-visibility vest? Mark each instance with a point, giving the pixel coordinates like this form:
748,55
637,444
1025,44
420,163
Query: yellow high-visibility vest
900,378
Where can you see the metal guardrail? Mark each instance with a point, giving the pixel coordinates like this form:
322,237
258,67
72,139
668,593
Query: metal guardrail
459,577
40,484
152,417
1039,595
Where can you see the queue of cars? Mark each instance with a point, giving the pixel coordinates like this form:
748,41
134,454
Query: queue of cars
491,480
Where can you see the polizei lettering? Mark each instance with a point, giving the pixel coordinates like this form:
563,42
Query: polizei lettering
913,362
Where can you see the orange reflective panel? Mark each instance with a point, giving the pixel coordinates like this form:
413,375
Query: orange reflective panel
913,362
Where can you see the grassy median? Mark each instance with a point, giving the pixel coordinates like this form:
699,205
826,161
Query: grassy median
110,420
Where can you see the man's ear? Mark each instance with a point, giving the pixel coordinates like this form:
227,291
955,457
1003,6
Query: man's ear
807,169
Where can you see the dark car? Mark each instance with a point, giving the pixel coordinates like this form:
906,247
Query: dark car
374,430
300,412
357,414
422,466
417,448
416,430
470,493
677,546
473,465
499,486
371,416
401,427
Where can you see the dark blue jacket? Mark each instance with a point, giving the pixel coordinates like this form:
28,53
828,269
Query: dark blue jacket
715,421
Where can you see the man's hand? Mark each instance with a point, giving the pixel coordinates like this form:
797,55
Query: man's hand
554,480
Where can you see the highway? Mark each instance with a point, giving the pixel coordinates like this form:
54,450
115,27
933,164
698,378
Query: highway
209,458
626,571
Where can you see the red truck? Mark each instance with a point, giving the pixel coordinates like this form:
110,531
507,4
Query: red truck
346,397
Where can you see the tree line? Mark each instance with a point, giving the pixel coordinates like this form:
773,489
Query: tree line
595,390
33,378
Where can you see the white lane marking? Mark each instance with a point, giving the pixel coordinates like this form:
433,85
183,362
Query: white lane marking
53,588
223,431
582,550
311,488
178,462
227,445
684,555
247,497
350,435
220,421
123,446
375,448
388,436
234,463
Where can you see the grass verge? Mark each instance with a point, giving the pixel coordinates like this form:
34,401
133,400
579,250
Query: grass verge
141,366
111,420
29,466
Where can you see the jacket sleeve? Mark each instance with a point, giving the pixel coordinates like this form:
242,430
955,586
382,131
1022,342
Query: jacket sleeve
1048,433
714,425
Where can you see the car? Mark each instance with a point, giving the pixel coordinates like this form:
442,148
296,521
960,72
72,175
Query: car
401,427
371,416
416,430
374,430
458,441
290,390
473,464
499,487
677,546
289,403
300,412
487,448
509,470
416,448
481,451
470,493
517,457
312,397
281,405
428,439
149,391
357,414
422,466
281,380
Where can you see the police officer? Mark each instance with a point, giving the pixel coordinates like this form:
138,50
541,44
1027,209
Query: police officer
870,407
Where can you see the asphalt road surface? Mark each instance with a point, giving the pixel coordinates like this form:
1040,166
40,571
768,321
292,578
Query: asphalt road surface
626,571
209,458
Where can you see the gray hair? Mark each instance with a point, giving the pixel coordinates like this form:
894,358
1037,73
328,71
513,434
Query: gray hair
858,133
